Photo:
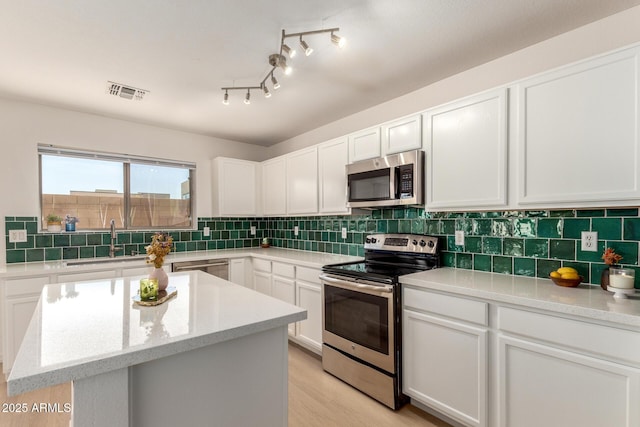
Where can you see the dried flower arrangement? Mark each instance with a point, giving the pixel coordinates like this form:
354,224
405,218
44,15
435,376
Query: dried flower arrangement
610,257
160,246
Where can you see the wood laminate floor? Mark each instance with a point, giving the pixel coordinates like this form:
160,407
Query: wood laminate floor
315,399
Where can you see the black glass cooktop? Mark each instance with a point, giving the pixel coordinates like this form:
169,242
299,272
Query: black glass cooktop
371,271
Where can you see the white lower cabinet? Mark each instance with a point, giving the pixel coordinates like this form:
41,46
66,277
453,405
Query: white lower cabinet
262,282
445,361
574,374
309,297
284,289
237,268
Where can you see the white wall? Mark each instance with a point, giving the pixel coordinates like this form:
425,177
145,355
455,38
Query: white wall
608,34
24,125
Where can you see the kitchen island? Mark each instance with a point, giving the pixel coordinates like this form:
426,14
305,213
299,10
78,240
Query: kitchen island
216,354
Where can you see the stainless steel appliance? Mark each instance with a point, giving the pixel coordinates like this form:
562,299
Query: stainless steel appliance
215,267
393,180
362,333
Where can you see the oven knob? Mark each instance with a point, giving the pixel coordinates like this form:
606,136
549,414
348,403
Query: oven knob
431,244
415,242
367,240
353,347
373,240
423,243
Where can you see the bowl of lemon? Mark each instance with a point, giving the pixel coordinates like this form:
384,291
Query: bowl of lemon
566,276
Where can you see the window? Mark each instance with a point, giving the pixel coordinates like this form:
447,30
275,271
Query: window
137,192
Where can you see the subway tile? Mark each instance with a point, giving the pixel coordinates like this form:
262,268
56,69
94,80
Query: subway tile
44,241
448,259
482,262
573,227
464,261
562,214
392,226
483,227
451,245
465,225
562,249
582,268
417,226
607,228
432,226
596,272
53,254
550,227
492,245
524,227
545,266
61,240
78,240
536,248
513,247
628,251
622,212
502,227
87,252
631,229
524,267
448,226
70,253
33,255
472,244
590,213
502,264
94,239
29,244
590,256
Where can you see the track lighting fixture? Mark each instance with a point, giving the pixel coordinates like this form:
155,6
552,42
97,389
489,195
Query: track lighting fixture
290,52
279,61
305,47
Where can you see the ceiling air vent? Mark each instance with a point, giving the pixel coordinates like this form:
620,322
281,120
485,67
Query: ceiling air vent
126,92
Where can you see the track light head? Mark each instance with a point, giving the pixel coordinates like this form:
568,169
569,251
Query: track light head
305,47
338,41
225,100
289,51
247,99
277,60
267,94
276,84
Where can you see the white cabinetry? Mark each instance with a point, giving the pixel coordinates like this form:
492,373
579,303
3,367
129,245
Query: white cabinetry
309,297
234,187
333,156
274,186
237,268
364,144
578,134
20,300
283,286
302,181
262,276
402,135
445,358
466,150
561,372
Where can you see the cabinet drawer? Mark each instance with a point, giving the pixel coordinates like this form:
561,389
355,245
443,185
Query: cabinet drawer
284,270
89,275
25,286
597,339
308,275
446,305
261,265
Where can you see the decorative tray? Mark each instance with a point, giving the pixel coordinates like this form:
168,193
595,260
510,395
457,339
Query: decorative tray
163,296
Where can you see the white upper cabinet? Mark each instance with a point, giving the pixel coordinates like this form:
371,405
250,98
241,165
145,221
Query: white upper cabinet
578,134
364,144
466,153
274,186
332,159
402,135
234,187
302,181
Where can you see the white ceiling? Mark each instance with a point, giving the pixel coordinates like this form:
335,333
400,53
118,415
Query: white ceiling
62,53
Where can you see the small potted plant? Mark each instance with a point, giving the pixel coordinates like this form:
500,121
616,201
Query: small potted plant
54,223
611,259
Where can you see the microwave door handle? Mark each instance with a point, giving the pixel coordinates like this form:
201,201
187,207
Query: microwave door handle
394,181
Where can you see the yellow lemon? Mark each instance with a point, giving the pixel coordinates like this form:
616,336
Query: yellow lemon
565,270
555,274
571,276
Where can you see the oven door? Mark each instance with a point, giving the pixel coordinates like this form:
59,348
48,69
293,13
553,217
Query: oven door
358,319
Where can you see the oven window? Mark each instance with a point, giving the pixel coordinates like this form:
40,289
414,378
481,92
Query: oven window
373,185
357,317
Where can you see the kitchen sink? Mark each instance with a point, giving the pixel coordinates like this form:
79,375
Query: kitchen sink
105,260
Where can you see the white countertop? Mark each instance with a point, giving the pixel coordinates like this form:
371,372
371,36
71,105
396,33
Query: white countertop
587,301
297,257
86,328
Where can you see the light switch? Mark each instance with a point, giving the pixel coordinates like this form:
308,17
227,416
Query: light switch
17,236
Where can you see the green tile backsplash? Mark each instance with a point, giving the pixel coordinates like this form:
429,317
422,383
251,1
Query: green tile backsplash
524,243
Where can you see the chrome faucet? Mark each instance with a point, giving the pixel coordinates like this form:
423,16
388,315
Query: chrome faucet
112,247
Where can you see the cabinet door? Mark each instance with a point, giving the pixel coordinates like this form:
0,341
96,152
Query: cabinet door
18,313
302,181
545,386
284,289
578,133
236,271
364,145
274,186
309,297
332,175
466,150
445,366
402,135
234,187
262,282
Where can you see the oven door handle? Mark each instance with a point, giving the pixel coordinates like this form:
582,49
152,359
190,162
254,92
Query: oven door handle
356,286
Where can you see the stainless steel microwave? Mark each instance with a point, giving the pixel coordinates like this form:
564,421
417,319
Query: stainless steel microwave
393,180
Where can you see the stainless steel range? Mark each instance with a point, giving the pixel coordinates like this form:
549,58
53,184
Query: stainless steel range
362,334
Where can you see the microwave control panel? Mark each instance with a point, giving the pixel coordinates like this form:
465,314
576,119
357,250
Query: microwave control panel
405,183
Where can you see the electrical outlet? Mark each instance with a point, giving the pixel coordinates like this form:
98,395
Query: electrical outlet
17,236
206,231
296,230
344,232
253,230
589,241
459,236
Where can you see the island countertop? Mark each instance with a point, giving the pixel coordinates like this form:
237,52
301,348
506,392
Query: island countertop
82,329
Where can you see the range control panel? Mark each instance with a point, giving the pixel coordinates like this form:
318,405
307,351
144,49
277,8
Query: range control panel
402,243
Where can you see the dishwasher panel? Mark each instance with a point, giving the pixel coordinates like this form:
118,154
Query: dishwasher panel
215,267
